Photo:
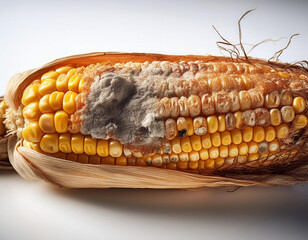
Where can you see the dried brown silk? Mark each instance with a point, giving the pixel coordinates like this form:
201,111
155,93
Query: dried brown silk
33,165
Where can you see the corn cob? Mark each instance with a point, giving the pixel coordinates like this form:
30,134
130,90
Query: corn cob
4,163
203,115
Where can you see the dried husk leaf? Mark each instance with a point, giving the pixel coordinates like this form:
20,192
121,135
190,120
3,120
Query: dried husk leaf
33,165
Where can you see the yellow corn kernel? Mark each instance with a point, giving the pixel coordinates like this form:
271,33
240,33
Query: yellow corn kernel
300,121
26,144
62,83
206,141
223,151
94,159
282,131
221,123
61,121
83,158
32,132
299,104
258,134
242,159
204,154
72,157
216,139
58,155
226,138
201,165
138,154
219,162
50,75
115,148
193,165
229,161
252,147
196,142
69,103
194,156
270,133
236,135
31,112
81,83
73,83
171,166
275,117
50,143
243,148
44,104
209,164
63,70
212,123
190,126
141,162
46,123
108,160
247,134
77,143
233,150
214,152
36,147
90,145
56,100
30,95
253,157
284,75
48,86
186,145
102,148
122,160
182,165
183,157
239,123
273,146
65,143
176,145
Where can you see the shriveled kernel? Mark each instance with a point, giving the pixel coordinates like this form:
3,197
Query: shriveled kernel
61,121
115,148
273,146
249,118
166,159
77,143
235,101
221,123
272,100
263,117
157,160
247,134
258,134
31,112
56,100
299,105
44,104
209,164
176,145
194,106
263,147
300,121
46,123
194,156
73,83
286,98
183,157
230,121
183,107
196,142
252,147
200,126
216,139
287,114
206,141
282,131
233,150
229,161
170,128
212,123
245,100
239,123
50,75
270,133
222,102
174,158
137,154
208,105
214,152
32,132
257,99
236,135
167,147
175,110
65,143
241,159
30,95
226,138
243,148
50,143
223,151
275,117
204,154
186,144
190,126
48,86
90,145
182,127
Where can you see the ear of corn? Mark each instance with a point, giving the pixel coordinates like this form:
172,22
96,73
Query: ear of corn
219,125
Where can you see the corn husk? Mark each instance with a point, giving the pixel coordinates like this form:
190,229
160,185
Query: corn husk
33,165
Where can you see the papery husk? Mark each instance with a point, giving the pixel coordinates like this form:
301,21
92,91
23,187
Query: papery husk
34,166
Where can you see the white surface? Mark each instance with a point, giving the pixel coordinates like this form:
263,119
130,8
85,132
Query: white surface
35,32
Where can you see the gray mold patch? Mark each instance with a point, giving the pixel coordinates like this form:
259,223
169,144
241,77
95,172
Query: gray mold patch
122,109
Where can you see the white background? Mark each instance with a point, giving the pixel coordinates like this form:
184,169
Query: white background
35,32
